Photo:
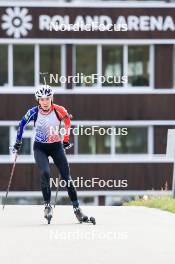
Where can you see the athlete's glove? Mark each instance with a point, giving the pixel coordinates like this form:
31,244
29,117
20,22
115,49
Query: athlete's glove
17,146
67,145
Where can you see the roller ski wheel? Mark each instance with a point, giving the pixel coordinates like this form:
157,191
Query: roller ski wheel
49,219
48,213
89,220
83,218
92,220
79,215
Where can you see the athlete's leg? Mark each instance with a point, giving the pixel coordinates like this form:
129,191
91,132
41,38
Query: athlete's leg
42,161
60,160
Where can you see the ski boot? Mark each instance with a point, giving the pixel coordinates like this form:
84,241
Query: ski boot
48,211
83,218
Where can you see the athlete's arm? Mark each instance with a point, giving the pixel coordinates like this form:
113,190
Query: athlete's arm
25,120
67,125
66,118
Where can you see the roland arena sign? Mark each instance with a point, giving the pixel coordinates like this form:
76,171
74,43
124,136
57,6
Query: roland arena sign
94,23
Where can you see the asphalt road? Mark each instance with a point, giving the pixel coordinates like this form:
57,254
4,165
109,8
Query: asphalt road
122,235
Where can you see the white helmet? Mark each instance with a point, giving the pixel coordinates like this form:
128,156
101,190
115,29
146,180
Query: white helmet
44,91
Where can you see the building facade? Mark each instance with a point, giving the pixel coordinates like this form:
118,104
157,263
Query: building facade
142,50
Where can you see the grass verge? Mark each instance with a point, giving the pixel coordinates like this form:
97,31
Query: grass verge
164,203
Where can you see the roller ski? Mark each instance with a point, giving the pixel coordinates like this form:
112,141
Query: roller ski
48,212
83,218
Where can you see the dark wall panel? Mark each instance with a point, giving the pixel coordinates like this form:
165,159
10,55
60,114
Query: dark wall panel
160,138
140,176
69,63
98,106
113,13
164,66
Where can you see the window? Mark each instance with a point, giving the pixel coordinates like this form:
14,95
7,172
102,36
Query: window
86,63
4,144
101,140
118,65
112,64
26,148
50,61
138,65
3,65
94,144
134,142
23,65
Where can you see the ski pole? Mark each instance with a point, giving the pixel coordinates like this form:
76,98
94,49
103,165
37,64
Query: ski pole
57,191
10,180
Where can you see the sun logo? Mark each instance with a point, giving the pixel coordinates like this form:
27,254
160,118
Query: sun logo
16,22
